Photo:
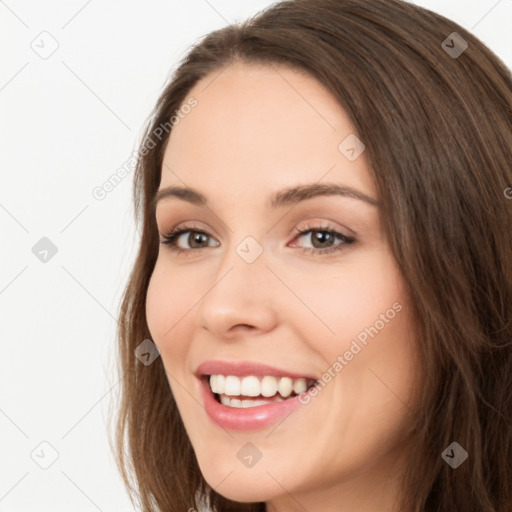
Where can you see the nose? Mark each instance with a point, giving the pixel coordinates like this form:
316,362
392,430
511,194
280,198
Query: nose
241,298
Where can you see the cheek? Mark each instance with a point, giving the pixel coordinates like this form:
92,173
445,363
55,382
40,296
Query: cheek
367,311
167,308
344,300
155,306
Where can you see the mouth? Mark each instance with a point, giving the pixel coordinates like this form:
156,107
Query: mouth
242,392
247,395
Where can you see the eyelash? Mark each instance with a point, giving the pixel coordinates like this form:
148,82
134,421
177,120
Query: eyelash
171,237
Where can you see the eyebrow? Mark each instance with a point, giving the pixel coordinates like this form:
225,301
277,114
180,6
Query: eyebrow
279,199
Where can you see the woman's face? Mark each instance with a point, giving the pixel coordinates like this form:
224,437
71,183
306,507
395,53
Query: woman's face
248,291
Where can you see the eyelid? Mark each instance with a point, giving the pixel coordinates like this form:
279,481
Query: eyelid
298,227
318,224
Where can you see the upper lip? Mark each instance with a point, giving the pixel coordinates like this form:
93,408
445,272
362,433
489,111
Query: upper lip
246,368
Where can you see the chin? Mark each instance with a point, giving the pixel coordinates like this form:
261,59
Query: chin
246,485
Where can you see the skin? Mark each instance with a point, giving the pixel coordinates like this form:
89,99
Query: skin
255,130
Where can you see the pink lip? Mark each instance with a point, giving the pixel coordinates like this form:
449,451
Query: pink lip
245,368
252,418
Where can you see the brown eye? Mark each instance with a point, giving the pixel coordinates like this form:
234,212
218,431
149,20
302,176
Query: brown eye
323,239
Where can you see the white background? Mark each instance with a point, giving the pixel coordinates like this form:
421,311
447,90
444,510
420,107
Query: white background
69,122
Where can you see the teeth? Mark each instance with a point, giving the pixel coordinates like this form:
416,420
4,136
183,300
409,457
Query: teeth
244,404
268,386
232,386
285,387
217,383
252,386
299,386
236,403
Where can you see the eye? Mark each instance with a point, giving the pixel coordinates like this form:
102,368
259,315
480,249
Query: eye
195,236
323,241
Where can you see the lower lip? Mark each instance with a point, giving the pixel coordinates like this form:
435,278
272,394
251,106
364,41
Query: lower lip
251,418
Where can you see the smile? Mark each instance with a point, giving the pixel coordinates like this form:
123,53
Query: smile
253,391
249,396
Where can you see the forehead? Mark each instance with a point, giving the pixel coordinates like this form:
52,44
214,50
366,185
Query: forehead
261,128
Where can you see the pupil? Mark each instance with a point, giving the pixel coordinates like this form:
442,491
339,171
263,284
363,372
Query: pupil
321,235
197,238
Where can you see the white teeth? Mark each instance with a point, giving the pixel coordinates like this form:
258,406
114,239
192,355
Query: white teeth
252,386
213,383
236,403
217,383
232,386
244,404
268,386
220,381
285,386
299,386
253,403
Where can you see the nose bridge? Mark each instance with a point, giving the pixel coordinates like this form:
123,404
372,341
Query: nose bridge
240,292
244,246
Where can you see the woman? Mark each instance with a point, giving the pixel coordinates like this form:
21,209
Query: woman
319,316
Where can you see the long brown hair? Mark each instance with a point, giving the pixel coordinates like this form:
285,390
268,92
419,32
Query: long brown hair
438,133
